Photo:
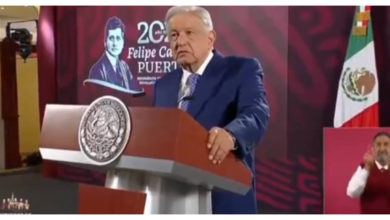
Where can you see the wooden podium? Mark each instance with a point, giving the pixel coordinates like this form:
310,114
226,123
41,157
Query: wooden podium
166,158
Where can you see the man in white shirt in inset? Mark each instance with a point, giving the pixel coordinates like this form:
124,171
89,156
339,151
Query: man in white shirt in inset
371,180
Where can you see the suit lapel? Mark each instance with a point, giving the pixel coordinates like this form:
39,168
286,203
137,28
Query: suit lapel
207,84
172,88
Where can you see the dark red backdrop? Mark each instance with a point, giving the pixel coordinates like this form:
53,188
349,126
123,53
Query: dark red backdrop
301,49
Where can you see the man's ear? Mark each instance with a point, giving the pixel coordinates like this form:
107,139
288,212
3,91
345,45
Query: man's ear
212,38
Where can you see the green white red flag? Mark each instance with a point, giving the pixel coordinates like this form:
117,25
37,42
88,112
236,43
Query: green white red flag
357,97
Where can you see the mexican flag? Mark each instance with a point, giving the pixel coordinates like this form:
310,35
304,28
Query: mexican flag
357,97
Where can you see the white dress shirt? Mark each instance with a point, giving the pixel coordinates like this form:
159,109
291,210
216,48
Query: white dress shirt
358,181
184,88
112,60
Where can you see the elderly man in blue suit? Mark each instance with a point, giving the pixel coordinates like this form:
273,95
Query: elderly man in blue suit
223,93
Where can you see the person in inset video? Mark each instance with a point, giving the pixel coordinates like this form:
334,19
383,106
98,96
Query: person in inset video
110,68
371,181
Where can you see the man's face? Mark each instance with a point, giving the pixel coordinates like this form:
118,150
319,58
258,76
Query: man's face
382,149
190,41
115,42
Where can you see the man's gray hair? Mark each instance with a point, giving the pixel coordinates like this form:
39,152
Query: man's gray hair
202,13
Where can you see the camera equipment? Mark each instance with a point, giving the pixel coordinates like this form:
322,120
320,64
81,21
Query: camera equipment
22,37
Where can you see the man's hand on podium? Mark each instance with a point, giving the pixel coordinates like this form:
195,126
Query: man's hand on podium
220,143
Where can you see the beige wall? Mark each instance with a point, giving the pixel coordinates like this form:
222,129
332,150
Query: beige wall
27,80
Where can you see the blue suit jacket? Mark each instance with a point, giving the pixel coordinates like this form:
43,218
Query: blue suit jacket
229,94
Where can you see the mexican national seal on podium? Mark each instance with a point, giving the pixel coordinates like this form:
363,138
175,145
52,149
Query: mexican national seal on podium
104,130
